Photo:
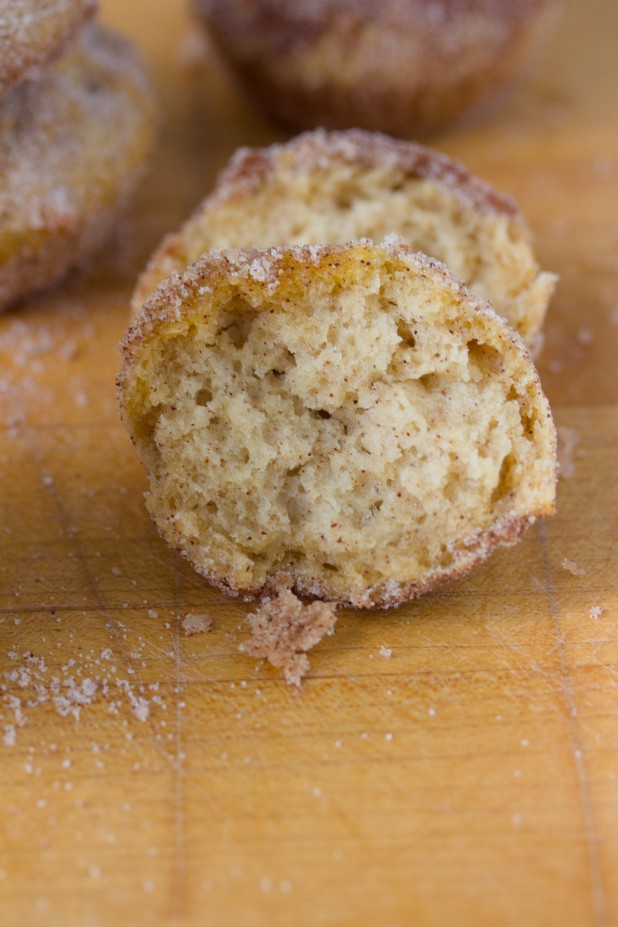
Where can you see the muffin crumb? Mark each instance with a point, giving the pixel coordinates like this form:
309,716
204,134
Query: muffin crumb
196,624
283,629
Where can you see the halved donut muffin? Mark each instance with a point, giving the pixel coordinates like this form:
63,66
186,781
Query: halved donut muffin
338,186
348,421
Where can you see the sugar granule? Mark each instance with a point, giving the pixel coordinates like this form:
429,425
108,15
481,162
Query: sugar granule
572,567
193,623
568,440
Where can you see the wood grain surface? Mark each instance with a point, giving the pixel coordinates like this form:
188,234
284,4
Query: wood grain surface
451,762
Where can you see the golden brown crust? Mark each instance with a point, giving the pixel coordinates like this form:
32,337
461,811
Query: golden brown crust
176,303
72,146
178,293
175,296
405,67
34,33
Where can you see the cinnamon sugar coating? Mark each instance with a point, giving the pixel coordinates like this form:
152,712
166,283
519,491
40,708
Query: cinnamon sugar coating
35,32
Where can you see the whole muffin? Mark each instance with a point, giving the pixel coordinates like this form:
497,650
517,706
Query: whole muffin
339,186
406,67
345,420
72,147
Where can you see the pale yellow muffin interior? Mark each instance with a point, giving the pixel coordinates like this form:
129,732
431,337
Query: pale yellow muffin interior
338,199
348,417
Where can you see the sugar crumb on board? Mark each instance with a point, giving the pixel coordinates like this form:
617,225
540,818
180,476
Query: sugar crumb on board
194,623
568,441
595,612
31,346
283,629
584,337
571,567
28,685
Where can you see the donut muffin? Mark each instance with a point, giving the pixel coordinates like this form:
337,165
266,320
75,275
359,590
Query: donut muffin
338,186
406,67
347,421
33,33
72,146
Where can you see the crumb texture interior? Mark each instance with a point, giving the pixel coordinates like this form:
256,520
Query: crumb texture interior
298,204
366,433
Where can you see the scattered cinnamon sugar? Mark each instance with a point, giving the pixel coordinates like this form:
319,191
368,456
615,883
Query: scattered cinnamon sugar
283,629
572,567
30,347
568,439
28,685
196,624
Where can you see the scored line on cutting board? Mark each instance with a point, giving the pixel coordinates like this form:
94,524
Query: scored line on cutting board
180,867
597,887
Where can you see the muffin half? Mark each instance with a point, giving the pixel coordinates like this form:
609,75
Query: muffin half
347,421
339,186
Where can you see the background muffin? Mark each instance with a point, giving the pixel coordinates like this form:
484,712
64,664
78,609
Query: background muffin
405,67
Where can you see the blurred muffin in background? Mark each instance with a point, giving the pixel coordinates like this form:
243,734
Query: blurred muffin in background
406,67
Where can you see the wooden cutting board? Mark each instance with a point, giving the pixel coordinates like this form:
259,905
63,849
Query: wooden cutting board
453,762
